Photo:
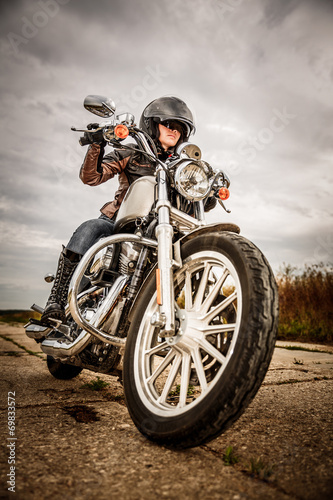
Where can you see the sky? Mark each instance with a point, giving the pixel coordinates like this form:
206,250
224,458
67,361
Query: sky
257,75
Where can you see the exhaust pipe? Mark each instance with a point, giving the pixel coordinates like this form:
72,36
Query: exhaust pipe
59,349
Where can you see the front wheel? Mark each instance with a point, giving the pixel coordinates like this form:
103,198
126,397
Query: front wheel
187,393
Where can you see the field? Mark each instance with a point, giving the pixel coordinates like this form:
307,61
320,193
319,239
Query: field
17,316
306,303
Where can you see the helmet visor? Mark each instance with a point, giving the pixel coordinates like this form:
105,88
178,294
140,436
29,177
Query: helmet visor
174,125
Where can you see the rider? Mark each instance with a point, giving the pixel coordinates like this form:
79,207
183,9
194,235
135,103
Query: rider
169,122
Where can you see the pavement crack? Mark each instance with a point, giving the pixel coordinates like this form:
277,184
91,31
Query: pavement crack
295,381
237,467
32,353
300,348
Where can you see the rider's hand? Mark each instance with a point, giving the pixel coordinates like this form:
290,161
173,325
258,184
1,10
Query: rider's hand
91,126
94,137
210,203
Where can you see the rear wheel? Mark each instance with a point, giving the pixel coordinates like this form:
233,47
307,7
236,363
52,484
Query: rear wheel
186,393
62,371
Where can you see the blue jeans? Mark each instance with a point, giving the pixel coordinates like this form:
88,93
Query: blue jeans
89,233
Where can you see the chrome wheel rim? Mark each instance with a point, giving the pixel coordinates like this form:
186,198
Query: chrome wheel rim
172,378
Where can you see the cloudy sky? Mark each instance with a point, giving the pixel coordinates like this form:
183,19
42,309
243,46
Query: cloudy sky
258,76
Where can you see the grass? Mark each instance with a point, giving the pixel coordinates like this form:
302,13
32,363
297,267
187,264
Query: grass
28,351
96,385
176,392
306,303
17,316
260,469
229,457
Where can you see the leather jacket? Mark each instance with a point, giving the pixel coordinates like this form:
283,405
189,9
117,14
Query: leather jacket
128,164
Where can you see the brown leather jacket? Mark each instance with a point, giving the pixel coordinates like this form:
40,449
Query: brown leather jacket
129,165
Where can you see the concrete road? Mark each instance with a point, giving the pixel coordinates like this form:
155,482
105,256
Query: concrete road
75,443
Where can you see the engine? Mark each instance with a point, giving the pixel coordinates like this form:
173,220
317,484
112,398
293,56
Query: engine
128,257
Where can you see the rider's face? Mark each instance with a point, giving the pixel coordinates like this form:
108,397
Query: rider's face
168,136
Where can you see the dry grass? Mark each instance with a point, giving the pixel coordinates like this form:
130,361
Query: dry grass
17,316
306,303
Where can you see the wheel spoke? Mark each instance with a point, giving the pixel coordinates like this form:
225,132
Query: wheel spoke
185,379
156,349
162,366
171,378
214,329
212,295
208,317
188,291
210,349
202,287
199,368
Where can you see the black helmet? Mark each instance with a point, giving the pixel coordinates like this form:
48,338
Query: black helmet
166,108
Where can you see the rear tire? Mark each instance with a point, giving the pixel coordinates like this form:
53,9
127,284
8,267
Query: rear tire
62,371
185,394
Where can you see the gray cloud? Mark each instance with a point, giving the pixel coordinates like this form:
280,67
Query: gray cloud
236,63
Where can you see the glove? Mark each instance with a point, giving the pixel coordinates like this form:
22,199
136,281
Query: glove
210,203
93,137
91,126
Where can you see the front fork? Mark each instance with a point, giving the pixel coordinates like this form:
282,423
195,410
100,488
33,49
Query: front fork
165,318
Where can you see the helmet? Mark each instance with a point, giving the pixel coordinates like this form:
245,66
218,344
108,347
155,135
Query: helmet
166,108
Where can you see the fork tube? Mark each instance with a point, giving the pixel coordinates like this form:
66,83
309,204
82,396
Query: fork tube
164,234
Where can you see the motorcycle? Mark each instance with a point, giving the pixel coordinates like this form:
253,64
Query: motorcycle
185,313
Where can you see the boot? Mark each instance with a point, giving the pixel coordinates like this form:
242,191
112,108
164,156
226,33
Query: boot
55,306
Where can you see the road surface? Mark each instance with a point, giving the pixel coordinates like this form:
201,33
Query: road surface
76,443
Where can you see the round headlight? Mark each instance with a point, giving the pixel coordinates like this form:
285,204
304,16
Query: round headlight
192,179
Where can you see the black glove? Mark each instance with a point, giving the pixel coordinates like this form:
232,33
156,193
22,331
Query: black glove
93,137
91,126
210,203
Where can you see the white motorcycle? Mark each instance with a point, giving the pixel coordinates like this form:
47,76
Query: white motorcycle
183,312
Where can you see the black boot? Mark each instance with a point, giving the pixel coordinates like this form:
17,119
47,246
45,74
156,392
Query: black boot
55,306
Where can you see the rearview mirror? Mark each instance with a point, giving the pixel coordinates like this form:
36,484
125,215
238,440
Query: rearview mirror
99,105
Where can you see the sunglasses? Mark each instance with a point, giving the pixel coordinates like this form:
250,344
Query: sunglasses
173,125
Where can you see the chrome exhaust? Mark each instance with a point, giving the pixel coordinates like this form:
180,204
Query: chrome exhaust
60,349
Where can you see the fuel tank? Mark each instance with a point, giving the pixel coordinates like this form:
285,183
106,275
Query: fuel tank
138,201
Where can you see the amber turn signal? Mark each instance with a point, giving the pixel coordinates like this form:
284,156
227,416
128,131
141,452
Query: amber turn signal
121,131
224,193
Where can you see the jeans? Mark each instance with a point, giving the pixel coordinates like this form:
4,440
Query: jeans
89,233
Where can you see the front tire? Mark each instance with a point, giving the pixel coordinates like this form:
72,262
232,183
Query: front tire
187,393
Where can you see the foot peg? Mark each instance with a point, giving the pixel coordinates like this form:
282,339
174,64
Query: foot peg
37,308
36,330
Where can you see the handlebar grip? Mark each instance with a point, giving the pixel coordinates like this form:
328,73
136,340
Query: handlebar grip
92,126
84,141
